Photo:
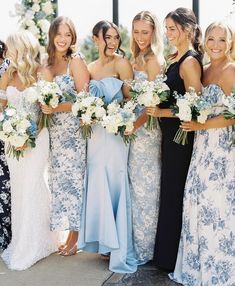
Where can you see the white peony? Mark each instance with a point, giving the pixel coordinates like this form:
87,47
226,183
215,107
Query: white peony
47,8
44,25
86,118
18,140
99,112
203,116
23,125
7,127
54,102
36,7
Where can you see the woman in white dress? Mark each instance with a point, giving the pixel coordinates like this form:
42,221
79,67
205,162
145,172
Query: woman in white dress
32,239
206,254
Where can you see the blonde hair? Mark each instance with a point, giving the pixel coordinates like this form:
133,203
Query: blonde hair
229,37
156,46
24,53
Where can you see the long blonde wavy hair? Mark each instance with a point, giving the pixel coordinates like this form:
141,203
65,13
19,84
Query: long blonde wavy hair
156,46
24,53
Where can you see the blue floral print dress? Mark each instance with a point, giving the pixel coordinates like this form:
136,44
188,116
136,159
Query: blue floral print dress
144,168
206,253
67,163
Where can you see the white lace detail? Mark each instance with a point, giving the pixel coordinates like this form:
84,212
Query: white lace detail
3,94
32,239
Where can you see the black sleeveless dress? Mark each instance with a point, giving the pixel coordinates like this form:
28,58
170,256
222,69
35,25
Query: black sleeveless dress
5,195
175,164
5,201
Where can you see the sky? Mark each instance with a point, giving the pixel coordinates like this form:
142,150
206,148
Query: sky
92,11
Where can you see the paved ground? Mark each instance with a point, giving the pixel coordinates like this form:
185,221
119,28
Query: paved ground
82,269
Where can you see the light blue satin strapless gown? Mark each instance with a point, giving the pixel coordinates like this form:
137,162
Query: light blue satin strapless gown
106,219
144,167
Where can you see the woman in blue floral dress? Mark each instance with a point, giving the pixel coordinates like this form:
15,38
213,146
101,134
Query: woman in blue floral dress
67,148
144,154
206,253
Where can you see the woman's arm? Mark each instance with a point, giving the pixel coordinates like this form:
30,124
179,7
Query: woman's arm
124,70
190,72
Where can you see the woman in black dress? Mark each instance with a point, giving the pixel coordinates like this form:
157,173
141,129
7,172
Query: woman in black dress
5,197
185,71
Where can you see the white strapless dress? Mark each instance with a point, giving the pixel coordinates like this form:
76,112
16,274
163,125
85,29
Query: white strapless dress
32,239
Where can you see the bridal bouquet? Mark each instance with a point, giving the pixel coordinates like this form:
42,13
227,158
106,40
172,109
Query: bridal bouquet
189,107
18,130
89,109
149,94
46,93
120,119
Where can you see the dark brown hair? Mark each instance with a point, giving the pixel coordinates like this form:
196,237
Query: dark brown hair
53,32
104,26
187,20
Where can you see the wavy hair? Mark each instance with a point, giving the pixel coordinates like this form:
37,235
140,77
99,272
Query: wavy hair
104,26
228,36
187,20
53,30
156,46
24,53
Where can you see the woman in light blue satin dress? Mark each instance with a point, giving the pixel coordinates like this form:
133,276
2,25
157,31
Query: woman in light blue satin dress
144,163
106,219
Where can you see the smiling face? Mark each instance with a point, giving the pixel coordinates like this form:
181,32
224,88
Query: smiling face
216,43
109,43
175,33
142,34
63,38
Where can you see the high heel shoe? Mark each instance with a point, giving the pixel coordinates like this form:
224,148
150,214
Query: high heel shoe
69,252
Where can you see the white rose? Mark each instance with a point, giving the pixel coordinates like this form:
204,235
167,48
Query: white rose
86,118
23,125
54,102
99,112
18,140
3,136
36,7
203,116
44,25
47,8
7,127
129,127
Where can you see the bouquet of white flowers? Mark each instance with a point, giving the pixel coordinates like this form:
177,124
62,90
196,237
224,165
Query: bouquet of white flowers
120,120
189,107
149,94
89,109
229,101
46,93
18,130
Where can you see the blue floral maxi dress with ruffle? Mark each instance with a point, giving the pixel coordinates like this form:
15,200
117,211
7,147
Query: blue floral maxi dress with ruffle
206,253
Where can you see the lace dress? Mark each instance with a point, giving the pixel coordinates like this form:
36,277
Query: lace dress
67,163
32,239
206,253
144,168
